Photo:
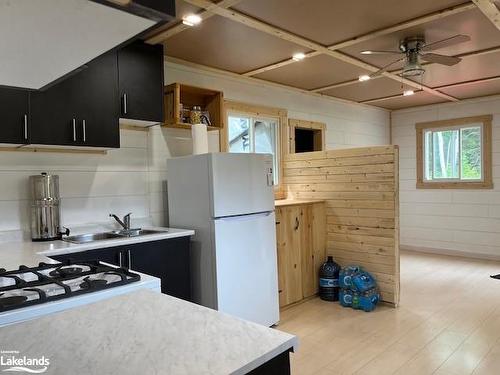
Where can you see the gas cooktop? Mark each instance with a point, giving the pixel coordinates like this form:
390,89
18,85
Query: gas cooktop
50,282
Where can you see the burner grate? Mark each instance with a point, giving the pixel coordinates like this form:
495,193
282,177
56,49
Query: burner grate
51,282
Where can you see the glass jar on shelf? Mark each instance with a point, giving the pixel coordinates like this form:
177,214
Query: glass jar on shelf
195,115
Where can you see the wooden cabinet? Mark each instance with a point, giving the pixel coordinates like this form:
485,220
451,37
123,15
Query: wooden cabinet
81,110
301,245
140,68
14,116
166,259
178,95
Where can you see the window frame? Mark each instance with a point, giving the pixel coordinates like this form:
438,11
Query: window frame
465,122
307,125
251,133
258,111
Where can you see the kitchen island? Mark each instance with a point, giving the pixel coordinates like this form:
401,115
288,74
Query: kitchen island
147,332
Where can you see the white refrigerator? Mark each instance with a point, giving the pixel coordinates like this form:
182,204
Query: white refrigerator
228,199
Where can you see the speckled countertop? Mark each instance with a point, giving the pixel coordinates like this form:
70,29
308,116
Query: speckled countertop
145,332
28,253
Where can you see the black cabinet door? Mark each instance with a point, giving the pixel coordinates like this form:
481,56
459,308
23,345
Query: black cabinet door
167,260
54,114
81,110
98,104
110,255
140,71
14,116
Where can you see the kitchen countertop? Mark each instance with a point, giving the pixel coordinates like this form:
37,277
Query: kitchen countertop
28,253
145,332
293,202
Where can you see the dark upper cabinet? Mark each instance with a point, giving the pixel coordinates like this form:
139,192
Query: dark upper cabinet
140,68
167,7
14,116
84,109
81,110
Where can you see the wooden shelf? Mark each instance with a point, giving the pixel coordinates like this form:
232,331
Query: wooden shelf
187,126
176,94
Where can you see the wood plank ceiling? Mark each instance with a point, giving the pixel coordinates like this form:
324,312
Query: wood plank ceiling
257,38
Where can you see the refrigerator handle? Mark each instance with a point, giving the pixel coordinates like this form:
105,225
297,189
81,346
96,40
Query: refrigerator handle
244,217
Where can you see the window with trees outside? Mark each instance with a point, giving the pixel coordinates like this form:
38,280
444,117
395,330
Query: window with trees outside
454,153
247,133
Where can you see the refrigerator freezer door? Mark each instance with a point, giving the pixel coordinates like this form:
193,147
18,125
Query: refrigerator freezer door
247,275
242,184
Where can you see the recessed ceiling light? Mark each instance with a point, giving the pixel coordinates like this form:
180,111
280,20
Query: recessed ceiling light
408,92
364,77
191,20
298,56
366,52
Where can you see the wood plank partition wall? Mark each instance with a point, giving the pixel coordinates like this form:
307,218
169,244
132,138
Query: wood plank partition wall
360,187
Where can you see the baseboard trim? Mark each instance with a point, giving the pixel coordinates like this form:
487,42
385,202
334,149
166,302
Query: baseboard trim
450,252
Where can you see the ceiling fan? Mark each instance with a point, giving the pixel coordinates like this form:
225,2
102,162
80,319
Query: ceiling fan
414,49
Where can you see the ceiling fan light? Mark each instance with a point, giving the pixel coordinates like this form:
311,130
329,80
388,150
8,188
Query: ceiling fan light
364,77
408,92
191,20
298,56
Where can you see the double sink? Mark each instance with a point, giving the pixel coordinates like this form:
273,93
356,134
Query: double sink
93,237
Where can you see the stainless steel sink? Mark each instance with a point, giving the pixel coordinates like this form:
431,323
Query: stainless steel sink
91,237
137,232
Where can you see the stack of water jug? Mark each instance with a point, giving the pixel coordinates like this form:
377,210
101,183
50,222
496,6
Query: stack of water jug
351,286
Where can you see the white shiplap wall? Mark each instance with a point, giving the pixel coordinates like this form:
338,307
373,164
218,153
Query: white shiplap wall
348,125
133,178
449,221
91,186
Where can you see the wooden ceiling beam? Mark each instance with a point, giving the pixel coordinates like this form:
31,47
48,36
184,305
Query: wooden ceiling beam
160,36
482,52
384,98
301,41
374,34
490,10
451,85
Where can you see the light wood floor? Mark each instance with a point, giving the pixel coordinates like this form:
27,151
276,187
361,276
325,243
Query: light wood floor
448,323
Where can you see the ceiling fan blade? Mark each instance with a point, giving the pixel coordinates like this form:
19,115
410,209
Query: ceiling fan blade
384,68
369,52
441,59
446,42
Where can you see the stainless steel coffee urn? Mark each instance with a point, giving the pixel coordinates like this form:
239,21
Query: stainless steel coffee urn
45,212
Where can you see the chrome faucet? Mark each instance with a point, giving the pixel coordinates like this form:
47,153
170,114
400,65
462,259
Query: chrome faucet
126,220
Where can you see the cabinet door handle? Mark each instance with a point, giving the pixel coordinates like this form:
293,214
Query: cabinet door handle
84,126
124,104
74,130
129,259
120,261
26,127
297,223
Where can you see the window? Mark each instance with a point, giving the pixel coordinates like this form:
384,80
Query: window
247,133
454,153
306,136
